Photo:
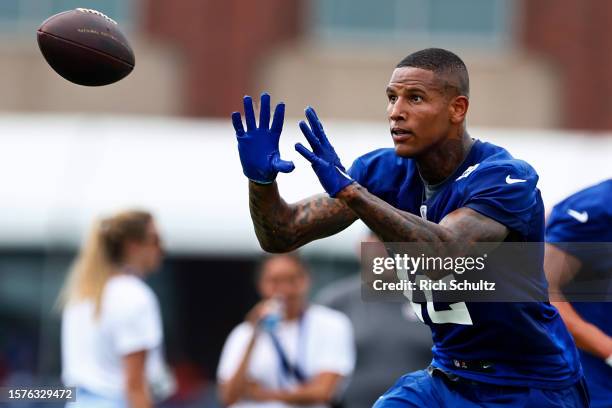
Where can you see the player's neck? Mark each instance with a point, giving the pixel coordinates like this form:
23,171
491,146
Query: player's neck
437,164
131,268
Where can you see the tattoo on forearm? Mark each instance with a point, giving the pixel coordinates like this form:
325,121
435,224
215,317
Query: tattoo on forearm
463,227
390,223
281,227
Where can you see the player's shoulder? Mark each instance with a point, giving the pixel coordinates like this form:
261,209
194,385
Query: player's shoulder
596,197
499,160
498,166
380,170
242,331
378,154
236,342
384,156
589,204
128,289
585,216
512,171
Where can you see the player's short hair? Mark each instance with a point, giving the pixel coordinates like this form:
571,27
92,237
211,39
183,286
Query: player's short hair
444,64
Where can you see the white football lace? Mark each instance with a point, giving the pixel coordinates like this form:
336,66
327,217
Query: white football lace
97,13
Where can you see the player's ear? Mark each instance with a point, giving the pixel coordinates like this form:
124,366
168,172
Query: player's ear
458,108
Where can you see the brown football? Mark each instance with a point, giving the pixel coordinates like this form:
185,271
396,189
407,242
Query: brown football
86,47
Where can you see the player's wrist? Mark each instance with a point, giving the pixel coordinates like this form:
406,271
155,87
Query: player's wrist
348,192
262,182
262,178
281,396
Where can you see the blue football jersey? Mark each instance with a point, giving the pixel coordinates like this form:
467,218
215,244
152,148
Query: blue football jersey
521,344
586,216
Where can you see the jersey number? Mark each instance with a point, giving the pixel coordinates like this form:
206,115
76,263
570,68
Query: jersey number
458,313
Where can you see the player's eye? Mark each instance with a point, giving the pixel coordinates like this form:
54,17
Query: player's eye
392,98
416,98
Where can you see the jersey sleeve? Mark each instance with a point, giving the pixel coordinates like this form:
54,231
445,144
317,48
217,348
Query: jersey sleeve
579,226
563,227
505,192
357,171
569,222
135,319
336,351
380,172
233,352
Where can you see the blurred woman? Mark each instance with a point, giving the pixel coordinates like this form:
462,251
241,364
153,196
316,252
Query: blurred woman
111,323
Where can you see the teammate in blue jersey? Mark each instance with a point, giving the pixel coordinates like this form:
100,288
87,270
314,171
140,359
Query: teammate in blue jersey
437,185
585,217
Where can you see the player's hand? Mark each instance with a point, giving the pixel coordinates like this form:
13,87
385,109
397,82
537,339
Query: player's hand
262,309
325,162
258,146
255,392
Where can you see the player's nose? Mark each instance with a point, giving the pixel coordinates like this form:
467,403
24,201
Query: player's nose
397,110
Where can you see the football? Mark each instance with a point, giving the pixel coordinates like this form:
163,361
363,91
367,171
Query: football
86,47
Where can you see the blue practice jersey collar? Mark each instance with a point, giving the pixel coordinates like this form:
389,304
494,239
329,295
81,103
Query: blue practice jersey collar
470,158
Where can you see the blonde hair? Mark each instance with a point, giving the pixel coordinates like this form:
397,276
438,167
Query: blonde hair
101,256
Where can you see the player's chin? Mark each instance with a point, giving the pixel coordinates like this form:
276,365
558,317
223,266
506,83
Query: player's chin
406,149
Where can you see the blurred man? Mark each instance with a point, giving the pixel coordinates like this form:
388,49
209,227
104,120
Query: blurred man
287,352
404,346
437,186
581,218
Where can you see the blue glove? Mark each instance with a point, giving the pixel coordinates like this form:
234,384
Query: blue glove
258,146
325,162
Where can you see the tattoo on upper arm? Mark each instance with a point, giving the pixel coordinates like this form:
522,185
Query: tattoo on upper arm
471,226
389,223
463,225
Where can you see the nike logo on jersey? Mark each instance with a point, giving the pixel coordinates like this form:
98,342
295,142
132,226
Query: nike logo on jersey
510,180
579,216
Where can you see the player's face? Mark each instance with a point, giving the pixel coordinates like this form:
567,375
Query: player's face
148,253
418,111
283,277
